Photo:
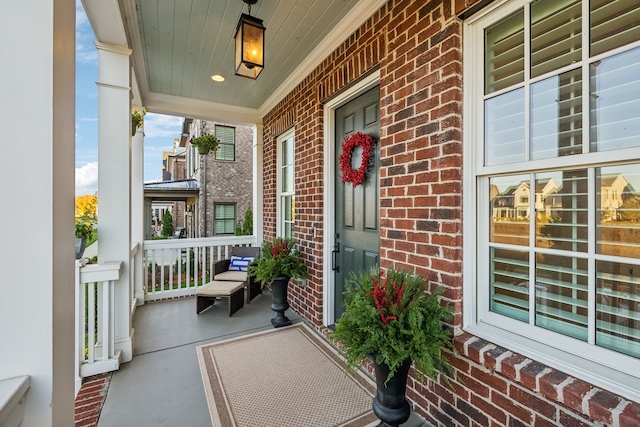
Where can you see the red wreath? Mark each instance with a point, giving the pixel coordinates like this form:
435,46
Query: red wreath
357,176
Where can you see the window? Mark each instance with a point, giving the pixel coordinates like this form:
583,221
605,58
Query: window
224,219
553,104
286,190
227,148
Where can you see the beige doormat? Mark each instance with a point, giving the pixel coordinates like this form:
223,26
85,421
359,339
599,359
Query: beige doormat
286,377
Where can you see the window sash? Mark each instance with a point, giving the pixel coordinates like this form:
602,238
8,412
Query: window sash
285,165
224,218
227,147
599,332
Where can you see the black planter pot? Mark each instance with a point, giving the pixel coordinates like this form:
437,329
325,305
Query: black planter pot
81,244
390,403
279,302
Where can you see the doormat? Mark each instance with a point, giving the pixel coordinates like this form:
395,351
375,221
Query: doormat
286,377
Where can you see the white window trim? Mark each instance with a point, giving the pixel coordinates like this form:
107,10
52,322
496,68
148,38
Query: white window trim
279,193
604,368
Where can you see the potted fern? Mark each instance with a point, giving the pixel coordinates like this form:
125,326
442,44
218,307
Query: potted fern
205,143
394,322
279,261
83,233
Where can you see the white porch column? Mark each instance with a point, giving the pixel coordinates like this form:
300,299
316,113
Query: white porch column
258,183
37,115
137,207
114,178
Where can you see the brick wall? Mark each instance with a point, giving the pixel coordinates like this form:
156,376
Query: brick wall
227,181
417,46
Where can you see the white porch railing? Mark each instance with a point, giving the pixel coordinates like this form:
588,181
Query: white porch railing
95,318
176,267
172,268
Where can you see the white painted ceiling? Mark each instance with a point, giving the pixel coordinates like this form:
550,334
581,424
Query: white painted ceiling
179,44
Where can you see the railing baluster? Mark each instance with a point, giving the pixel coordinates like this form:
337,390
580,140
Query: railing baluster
91,330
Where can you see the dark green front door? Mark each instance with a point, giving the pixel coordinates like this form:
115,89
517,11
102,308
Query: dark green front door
357,237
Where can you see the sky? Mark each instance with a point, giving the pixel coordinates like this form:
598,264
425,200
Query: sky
159,130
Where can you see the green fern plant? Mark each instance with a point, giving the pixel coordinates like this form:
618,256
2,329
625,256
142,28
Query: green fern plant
392,319
278,257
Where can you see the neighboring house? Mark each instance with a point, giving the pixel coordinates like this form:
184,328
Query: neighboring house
225,177
514,201
614,191
174,169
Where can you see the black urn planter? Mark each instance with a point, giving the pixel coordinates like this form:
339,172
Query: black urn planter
390,403
81,244
279,302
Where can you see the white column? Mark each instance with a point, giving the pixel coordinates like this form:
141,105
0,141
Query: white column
258,183
114,178
137,207
37,121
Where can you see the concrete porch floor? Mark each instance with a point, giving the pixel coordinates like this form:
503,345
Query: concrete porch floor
162,385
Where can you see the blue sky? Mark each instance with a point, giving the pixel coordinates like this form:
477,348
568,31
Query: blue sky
159,130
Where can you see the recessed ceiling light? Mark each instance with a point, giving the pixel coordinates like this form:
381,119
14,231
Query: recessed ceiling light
217,78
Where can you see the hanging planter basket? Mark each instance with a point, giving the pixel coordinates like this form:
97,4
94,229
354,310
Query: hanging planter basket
134,127
203,150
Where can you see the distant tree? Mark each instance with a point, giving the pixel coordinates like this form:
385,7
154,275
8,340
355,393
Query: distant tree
245,228
630,209
87,208
167,224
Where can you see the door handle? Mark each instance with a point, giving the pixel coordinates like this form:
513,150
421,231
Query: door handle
334,253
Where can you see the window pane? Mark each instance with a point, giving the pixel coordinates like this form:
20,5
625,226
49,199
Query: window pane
556,34
561,210
289,215
287,179
504,128
225,152
613,24
618,307
225,219
227,136
288,230
556,116
615,102
509,276
504,53
618,228
287,151
561,294
509,221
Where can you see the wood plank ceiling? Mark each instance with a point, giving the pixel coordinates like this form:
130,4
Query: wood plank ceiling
184,42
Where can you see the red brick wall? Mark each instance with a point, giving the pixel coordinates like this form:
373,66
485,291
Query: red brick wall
417,45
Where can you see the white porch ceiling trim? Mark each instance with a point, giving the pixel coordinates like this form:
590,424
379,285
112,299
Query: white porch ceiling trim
199,109
347,26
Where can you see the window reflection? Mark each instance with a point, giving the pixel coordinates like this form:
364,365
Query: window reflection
615,102
618,210
509,220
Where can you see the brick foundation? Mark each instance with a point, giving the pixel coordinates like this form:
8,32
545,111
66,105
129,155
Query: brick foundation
90,399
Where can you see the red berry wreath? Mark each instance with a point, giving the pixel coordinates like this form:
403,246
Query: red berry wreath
357,176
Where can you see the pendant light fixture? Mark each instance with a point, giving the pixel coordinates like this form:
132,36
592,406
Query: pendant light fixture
249,45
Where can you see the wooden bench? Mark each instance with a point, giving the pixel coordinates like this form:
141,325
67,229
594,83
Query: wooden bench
207,294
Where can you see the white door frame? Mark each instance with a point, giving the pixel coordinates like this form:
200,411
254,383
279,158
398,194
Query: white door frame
330,107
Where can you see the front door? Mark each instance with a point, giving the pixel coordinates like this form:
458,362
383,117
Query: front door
357,214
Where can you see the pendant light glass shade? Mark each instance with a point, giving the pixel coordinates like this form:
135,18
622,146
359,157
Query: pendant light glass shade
249,47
